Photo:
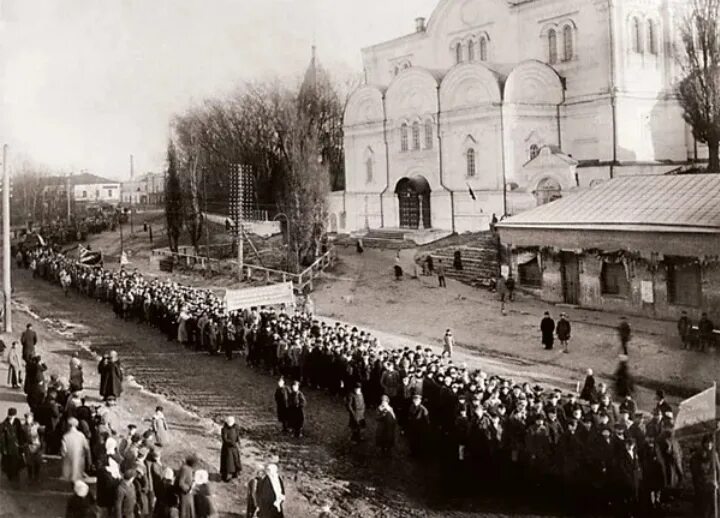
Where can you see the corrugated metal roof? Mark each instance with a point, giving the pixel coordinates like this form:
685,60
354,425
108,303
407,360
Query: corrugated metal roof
634,203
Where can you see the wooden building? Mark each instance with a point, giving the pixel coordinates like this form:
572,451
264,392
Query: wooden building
645,245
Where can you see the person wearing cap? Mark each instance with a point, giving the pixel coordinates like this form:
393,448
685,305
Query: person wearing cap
705,332
547,330
75,452
82,503
230,464
418,426
15,375
705,470
111,377
448,343
684,326
624,334
281,403
11,455
653,473
355,405
627,477
661,405
125,498
562,331
296,409
386,427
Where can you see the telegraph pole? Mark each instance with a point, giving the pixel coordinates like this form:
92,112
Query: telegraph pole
68,186
7,289
132,174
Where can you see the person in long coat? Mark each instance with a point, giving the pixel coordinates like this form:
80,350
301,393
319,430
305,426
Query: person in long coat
653,473
167,503
75,452
627,479
252,491
160,428
624,385
28,340
204,505
563,331
271,494
111,377
296,409
230,465
418,424
281,403
15,377
82,503
76,373
11,458
182,331
386,426
547,329
356,410
183,486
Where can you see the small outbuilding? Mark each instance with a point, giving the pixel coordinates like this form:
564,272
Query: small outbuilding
644,245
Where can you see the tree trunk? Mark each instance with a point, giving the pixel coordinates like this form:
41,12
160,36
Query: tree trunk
713,161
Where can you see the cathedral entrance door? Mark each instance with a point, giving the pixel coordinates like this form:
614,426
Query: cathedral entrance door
414,202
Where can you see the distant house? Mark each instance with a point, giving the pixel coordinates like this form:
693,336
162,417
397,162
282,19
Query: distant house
647,245
147,189
85,187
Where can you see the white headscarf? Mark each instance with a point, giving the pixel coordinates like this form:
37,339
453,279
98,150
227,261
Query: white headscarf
201,477
81,488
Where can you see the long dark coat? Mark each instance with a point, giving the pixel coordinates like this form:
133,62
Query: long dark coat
281,404
386,426
111,378
356,409
563,329
547,328
81,507
183,486
296,410
230,452
653,467
266,499
10,448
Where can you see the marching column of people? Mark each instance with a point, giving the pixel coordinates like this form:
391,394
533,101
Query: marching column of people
494,429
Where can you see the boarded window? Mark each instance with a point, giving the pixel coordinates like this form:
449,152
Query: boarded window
683,283
530,275
613,280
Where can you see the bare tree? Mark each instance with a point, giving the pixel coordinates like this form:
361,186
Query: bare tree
173,199
699,90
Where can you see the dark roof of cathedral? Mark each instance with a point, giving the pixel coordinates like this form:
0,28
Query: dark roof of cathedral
662,203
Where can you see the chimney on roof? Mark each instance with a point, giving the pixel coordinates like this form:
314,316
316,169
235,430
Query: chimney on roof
420,24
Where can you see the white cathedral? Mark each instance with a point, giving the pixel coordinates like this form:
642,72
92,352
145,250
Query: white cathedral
495,106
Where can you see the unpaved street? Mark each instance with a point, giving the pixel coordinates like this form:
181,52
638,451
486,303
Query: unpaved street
322,465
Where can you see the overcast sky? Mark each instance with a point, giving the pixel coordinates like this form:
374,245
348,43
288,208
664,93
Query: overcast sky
88,82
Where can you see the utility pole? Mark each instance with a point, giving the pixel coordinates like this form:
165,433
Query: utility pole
68,186
7,289
132,174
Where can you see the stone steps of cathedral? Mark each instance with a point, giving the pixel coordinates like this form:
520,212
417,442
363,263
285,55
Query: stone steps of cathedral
480,260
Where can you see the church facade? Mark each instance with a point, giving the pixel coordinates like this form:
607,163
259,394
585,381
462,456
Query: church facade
496,106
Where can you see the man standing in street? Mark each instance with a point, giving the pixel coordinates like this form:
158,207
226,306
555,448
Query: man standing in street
547,328
563,331
11,455
684,325
448,343
28,340
705,469
441,274
705,332
624,333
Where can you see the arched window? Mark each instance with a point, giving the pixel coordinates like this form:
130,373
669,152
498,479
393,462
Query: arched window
428,134
483,49
534,151
416,135
458,53
568,50
552,46
368,170
471,50
470,162
403,137
637,45
651,38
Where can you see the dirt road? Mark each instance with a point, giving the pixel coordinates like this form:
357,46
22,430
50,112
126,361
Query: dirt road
321,466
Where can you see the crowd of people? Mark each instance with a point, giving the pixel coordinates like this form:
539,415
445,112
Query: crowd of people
495,433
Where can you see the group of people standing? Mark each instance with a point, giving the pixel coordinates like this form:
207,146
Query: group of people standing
494,429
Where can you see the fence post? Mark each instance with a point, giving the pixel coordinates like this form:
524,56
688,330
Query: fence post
267,275
284,277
